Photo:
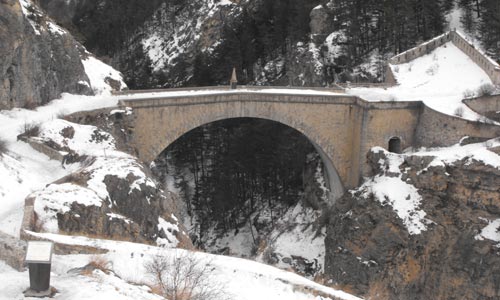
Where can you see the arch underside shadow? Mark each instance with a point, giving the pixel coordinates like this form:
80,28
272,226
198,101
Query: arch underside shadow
332,178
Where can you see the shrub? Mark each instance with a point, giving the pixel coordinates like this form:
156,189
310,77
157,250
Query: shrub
30,130
98,262
468,94
183,277
486,89
3,147
459,112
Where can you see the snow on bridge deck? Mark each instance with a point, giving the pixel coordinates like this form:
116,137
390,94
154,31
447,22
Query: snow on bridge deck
223,90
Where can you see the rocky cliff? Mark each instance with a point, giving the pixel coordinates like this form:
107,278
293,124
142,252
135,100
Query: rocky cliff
371,251
39,59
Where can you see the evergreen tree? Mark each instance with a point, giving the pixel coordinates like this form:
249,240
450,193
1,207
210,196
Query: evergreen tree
489,27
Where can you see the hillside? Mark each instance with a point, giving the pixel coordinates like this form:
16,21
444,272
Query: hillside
292,42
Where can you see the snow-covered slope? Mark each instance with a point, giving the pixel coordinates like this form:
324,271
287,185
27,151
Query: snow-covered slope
439,78
241,279
24,170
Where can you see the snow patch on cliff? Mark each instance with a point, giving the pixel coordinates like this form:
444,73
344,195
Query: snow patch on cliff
473,152
301,239
390,190
490,232
103,78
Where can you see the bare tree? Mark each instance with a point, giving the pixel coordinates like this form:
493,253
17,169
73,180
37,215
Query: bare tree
183,276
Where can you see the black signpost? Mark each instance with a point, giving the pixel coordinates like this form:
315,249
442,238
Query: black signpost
39,260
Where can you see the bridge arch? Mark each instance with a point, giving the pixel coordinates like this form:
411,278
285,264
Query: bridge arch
332,179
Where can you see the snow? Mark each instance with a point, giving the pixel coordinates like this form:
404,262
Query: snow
73,286
453,18
104,160
83,142
439,79
242,279
57,198
34,15
121,167
185,93
26,7
402,197
303,240
448,155
24,170
153,46
390,190
237,242
98,73
55,29
490,232
168,228
118,216
169,38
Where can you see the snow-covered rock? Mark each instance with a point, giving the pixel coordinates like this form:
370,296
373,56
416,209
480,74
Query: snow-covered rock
110,194
426,214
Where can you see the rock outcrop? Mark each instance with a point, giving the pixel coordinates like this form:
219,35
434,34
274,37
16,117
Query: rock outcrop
110,196
39,61
370,252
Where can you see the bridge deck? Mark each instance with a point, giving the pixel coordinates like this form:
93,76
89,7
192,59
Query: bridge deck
222,88
196,96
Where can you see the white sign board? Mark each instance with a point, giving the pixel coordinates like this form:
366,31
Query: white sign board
39,252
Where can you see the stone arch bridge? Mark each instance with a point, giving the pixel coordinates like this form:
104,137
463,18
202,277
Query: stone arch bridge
343,128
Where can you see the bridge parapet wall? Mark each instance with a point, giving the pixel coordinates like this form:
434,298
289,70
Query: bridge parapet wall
482,60
478,57
421,50
486,105
438,130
